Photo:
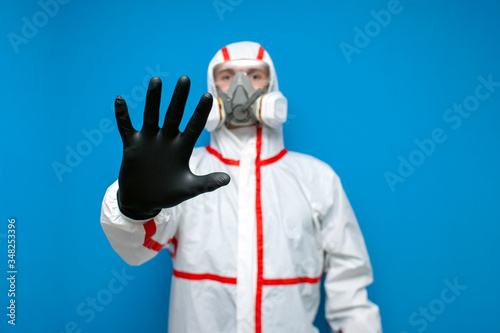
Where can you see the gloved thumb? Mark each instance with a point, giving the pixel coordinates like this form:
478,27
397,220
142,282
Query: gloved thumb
210,182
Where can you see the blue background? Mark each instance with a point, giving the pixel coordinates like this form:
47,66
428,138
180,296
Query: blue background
360,113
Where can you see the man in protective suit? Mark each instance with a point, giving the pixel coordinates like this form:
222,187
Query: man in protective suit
248,257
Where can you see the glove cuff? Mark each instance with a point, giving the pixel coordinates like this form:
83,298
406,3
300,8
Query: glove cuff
134,215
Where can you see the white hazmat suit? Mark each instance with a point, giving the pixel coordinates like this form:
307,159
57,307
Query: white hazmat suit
249,257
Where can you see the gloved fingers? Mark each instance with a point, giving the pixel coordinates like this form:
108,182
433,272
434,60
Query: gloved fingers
152,108
123,119
198,120
210,182
176,108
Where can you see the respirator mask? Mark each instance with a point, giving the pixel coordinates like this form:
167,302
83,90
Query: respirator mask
239,101
243,97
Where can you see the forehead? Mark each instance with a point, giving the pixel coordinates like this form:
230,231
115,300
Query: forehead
242,65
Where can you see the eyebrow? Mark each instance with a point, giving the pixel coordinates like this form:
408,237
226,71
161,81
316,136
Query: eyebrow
226,70
256,69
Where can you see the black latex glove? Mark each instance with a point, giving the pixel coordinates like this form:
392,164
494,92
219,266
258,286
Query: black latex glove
155,170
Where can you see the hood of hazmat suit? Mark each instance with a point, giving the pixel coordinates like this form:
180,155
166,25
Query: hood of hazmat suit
270,108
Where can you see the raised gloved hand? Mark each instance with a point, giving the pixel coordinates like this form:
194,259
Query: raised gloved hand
155,170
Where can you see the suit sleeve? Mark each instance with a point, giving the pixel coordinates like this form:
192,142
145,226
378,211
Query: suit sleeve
136,241
347,268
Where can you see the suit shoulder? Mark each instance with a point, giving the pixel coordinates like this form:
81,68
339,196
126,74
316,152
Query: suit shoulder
309,163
